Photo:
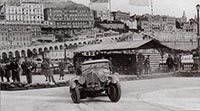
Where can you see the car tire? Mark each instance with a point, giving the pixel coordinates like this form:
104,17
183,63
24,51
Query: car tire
75,94
114,92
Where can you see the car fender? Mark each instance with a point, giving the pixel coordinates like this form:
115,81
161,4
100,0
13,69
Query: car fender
115,79
72,82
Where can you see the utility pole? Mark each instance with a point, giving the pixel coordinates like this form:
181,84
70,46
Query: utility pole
151,20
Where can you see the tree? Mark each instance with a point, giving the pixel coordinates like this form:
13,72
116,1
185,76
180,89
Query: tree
178,25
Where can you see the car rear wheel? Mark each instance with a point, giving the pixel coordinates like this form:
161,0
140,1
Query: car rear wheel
114,92
75,94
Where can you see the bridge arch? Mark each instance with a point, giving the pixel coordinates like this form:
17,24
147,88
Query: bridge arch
29,53
55,47
61,47
17,54
85,42
10,55
23,53
50,48
40,50
4,55
45,49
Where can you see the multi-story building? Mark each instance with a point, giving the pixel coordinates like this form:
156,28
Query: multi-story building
19,13
33,12
156,23
13,35
190,26
24,12
68,17
169,23
13,13
120,16
125,18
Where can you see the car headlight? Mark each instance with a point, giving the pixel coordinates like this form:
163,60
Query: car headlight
103,78
72,84
81,80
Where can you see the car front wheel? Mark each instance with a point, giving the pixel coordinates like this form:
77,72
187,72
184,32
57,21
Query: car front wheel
114,92
75,94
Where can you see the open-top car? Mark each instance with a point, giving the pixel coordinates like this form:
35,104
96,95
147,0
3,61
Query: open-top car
97,77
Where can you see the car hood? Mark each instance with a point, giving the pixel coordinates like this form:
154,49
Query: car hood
98,72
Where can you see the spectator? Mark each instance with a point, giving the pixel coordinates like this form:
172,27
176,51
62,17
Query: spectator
147,64
62,69
34,66
180,65
27,67
51,66
5,71
140,63
47,70
45,66
15,70
176,62
170,63
2,72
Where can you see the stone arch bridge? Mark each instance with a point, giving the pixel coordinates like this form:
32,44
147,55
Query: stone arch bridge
29,50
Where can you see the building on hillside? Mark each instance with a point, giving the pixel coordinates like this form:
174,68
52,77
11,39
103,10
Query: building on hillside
169,23
24,12
33,12
102,10
190,26
44,38
120,16
68,16
156,23
13,35
113,25
125,18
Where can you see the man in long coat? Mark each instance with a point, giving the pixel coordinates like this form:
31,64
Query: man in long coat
27,67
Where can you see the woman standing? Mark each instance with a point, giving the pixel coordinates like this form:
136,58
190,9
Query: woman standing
62,69
47,70
44,70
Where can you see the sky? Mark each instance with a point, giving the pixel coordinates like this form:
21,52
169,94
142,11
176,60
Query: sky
173,8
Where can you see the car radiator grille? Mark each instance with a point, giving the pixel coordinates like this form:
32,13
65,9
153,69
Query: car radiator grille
92,80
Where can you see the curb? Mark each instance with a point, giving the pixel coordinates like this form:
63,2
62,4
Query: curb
15,86
147,76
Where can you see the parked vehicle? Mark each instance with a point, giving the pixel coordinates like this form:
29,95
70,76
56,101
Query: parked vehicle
97,77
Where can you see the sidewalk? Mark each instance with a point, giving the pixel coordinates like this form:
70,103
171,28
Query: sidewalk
67,77
39,81
42,78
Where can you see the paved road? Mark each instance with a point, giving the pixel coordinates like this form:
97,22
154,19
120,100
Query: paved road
165,94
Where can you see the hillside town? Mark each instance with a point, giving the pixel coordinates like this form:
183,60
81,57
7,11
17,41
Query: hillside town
46,43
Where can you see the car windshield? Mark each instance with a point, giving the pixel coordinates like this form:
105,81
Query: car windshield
96,67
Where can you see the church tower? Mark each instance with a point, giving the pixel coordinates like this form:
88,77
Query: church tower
184,18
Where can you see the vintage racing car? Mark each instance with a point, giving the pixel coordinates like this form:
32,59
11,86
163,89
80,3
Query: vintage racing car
97,77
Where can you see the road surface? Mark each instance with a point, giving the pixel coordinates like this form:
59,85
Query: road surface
165,94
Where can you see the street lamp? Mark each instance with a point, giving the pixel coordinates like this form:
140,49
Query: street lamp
198,38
